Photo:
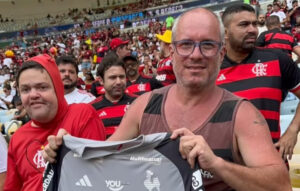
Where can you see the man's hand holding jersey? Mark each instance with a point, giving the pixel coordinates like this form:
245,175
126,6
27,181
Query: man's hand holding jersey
193,147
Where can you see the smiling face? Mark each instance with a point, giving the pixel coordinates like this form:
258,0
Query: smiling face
241,32
38,95
195,70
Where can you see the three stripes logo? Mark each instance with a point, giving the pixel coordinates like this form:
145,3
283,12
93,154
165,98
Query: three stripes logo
84,181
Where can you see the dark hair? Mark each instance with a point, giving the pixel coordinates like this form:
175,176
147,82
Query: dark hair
132,58
269,5
7,86
294,1
28,65
272,21
108,61
17,102
67,59
237,8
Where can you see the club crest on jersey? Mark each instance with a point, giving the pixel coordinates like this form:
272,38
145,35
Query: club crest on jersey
39,160
142,87
260,69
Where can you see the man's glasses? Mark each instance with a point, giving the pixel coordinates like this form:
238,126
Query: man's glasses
187,47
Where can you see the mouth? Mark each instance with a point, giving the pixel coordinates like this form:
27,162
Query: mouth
196,68
250,39
36,104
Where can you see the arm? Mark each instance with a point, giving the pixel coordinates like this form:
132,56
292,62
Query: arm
129,126
263,170
290,80
292,11
2,180
288,140
296,50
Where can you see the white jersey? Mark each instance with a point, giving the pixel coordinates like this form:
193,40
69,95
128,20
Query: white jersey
79,96
3,154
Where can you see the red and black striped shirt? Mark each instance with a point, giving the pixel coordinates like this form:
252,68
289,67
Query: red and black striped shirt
142,85
277,39
262,78
110,113
165,72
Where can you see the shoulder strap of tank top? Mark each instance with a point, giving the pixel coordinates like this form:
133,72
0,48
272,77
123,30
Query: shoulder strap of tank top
156,100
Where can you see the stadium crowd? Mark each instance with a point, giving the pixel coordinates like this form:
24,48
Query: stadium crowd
107,70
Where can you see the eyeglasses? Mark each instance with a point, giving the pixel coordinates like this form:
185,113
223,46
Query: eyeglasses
187,47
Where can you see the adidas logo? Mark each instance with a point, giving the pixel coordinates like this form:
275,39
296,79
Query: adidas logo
84,181
221,78
103,113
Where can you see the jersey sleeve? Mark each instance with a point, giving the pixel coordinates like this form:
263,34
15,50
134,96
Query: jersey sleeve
13,181
290,73
93,128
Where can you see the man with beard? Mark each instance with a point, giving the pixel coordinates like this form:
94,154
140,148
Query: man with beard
69,74
261,23
112,106
275,38
260,75
137,83
164,70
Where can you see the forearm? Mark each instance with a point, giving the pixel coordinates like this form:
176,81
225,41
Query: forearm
2,180
295,124
272,177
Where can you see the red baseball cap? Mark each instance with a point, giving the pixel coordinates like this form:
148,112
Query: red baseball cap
114,43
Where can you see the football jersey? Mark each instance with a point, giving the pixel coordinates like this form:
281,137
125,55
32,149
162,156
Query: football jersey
146,163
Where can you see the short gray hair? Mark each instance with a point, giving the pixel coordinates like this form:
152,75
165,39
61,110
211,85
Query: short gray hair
175,25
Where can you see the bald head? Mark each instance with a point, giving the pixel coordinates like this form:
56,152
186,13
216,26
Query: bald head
202,13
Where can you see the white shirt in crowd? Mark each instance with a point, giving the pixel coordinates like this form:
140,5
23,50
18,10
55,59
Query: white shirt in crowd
7,99
7,62
3,154
280,14
79,96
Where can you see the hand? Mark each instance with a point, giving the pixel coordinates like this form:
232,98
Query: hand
181,132
194,147
287,142
54,142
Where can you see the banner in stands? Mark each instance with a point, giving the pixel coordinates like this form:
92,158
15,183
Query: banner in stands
135,19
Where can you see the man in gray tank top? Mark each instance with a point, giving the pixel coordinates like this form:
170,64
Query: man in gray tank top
227,136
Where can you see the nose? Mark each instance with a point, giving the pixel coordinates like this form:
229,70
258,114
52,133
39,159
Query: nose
118,80
34,94
196,54
252,28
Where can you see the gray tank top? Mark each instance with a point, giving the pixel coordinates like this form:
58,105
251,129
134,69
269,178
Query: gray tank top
217,130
